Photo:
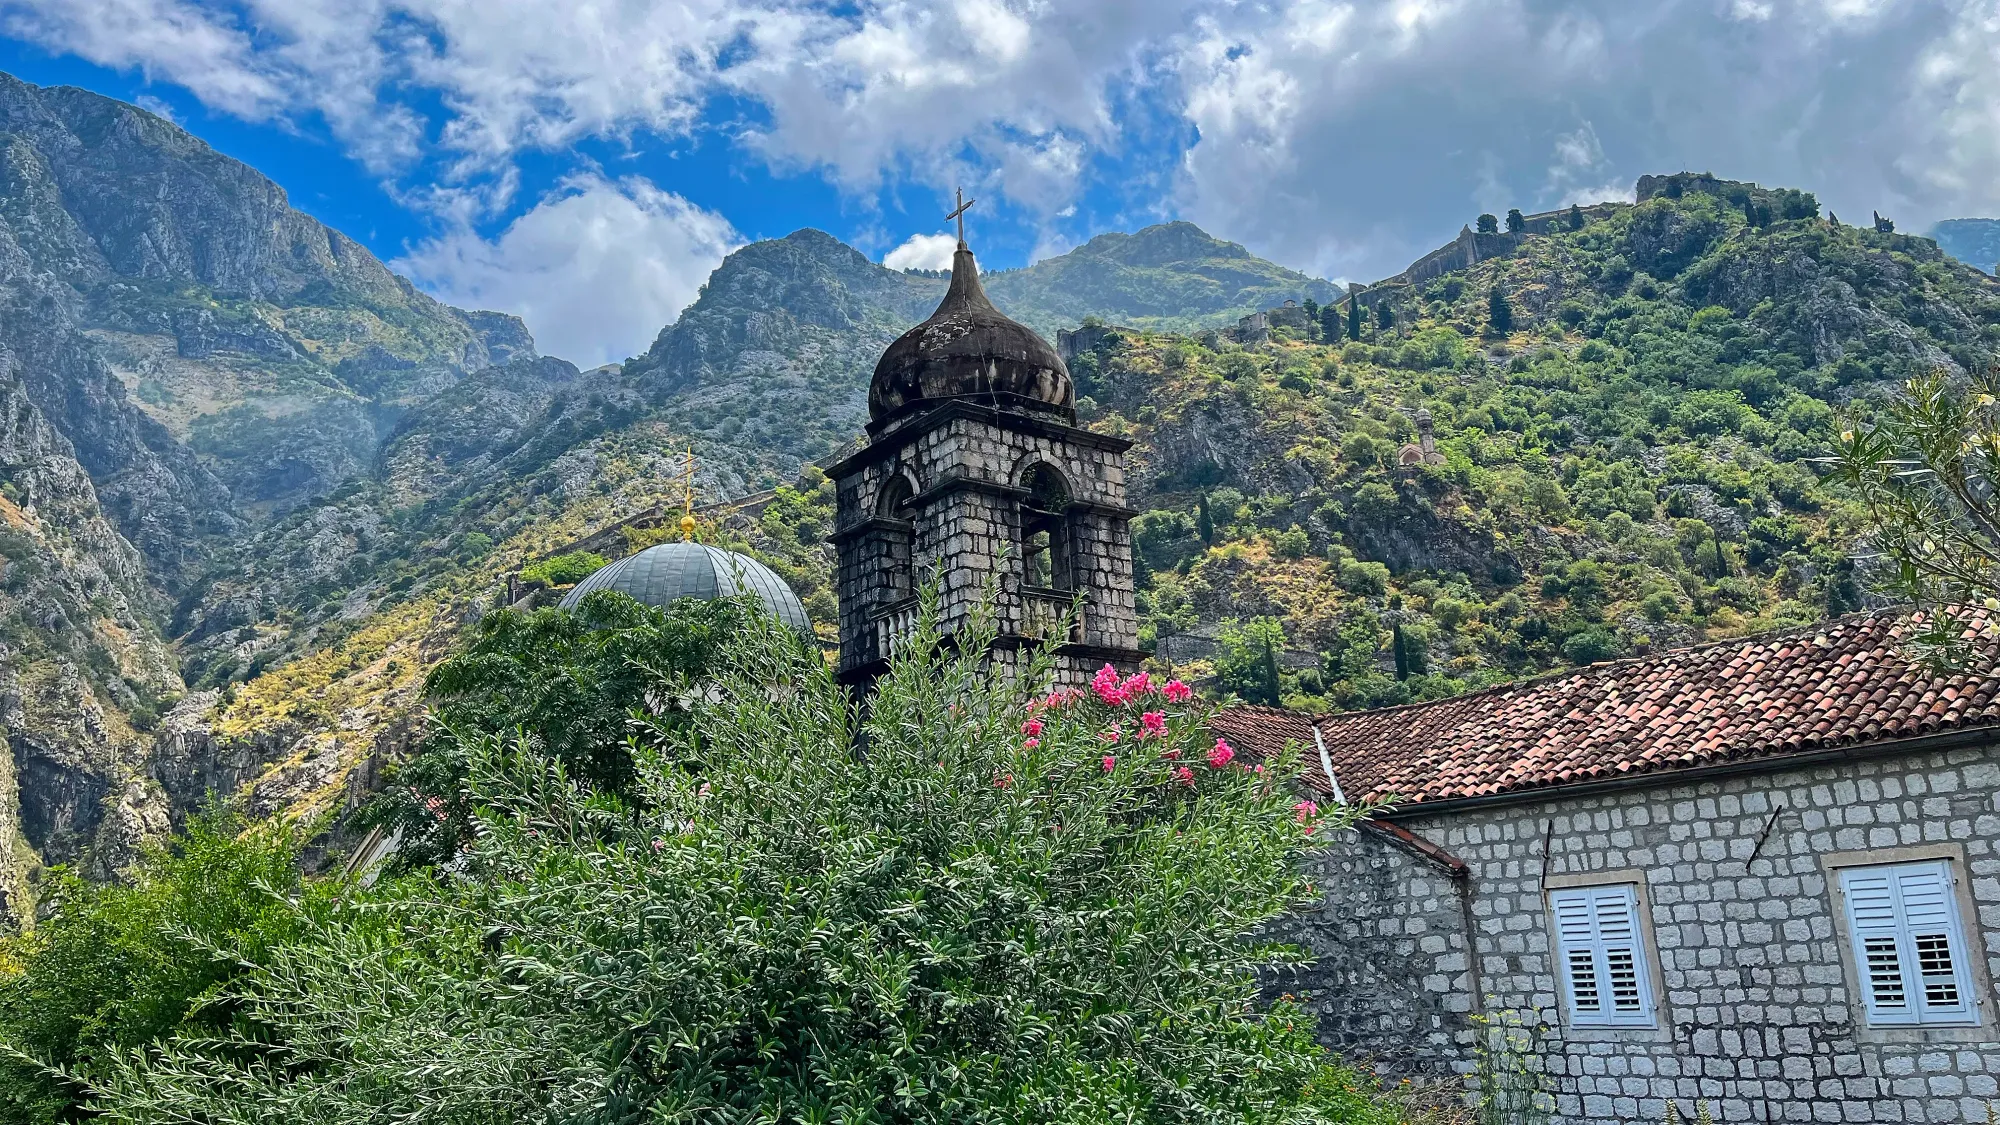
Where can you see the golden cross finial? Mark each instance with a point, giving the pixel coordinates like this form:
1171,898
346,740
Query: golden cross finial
959,214
687,498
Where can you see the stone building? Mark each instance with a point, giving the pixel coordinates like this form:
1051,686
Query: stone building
1761,873
975,472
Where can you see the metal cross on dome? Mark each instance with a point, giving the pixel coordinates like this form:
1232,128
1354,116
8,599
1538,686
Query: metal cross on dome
959,214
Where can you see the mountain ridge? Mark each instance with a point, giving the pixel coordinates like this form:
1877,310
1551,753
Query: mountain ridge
247,509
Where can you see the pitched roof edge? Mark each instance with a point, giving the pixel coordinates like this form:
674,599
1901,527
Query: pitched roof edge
1770,763
1606,667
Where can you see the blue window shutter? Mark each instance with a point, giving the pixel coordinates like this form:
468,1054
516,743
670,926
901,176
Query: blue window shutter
1910,954
1601,957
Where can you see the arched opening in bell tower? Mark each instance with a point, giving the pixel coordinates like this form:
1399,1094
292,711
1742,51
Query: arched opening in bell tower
1045,545
898,537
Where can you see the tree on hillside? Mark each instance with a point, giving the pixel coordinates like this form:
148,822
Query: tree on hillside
1329,322
1204,523
1487,225
1499,314
973,903
1516,223
1925,468
1385,317
1312,317
1575,217
1353,317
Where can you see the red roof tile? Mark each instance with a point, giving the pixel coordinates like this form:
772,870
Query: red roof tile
1841,683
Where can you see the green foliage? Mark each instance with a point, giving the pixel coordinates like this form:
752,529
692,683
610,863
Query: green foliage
1648,395
565,570
569,684
1246,661
112,967
963,906
1487,224
1513,1090
1515,222
1499,313
1925,469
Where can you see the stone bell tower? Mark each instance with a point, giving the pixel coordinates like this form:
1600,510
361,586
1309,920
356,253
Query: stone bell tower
974,469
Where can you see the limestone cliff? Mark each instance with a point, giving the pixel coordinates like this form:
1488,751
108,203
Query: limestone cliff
182,355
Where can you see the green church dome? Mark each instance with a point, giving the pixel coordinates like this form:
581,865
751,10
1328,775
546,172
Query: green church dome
660,575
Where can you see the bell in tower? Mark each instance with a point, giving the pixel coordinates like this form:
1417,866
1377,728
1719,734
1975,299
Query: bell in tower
974,469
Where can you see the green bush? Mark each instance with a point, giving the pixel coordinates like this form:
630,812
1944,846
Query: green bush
564,570
112,967
567,682
962,906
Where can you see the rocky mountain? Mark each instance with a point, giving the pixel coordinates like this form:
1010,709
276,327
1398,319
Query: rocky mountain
252,484
1173,276
1976,242
1619,461
182,356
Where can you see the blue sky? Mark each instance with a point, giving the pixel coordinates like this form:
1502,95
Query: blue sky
586,164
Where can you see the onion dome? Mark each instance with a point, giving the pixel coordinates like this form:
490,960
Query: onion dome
969,349
659,576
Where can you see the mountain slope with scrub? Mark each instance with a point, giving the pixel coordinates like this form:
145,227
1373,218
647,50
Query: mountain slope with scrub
255,484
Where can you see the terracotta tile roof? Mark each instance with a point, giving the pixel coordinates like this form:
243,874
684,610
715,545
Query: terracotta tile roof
1838,684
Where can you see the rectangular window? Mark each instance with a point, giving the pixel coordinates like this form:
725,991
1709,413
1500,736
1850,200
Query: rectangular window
1603,956
1909,948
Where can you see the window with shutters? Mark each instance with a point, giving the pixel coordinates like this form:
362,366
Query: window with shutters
1912,964
1601,953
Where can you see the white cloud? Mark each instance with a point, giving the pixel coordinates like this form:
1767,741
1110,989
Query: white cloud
1347,138
1341,136
156,107
510,74
922,252
169,39
595,268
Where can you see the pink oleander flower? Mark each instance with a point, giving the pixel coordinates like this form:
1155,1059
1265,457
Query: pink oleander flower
1032,728
1110,762
1136,686
1186,775
1003,781
1107,687
1222,755
1258,768
1111,734
1306,810
1031,743
1177,692
705,790
658,843
1152,724
1170,755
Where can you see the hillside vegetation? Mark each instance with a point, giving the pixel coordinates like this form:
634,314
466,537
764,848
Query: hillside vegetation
254,493
1629,465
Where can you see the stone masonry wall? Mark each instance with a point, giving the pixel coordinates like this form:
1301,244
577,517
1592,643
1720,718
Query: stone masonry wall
968,475
1757,1013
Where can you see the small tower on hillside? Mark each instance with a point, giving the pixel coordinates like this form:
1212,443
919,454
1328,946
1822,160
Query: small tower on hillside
975,468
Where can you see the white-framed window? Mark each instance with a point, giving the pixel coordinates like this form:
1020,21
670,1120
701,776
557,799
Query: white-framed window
1912,963
1601,956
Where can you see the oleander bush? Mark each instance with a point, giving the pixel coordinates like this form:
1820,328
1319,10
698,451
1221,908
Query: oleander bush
973,900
